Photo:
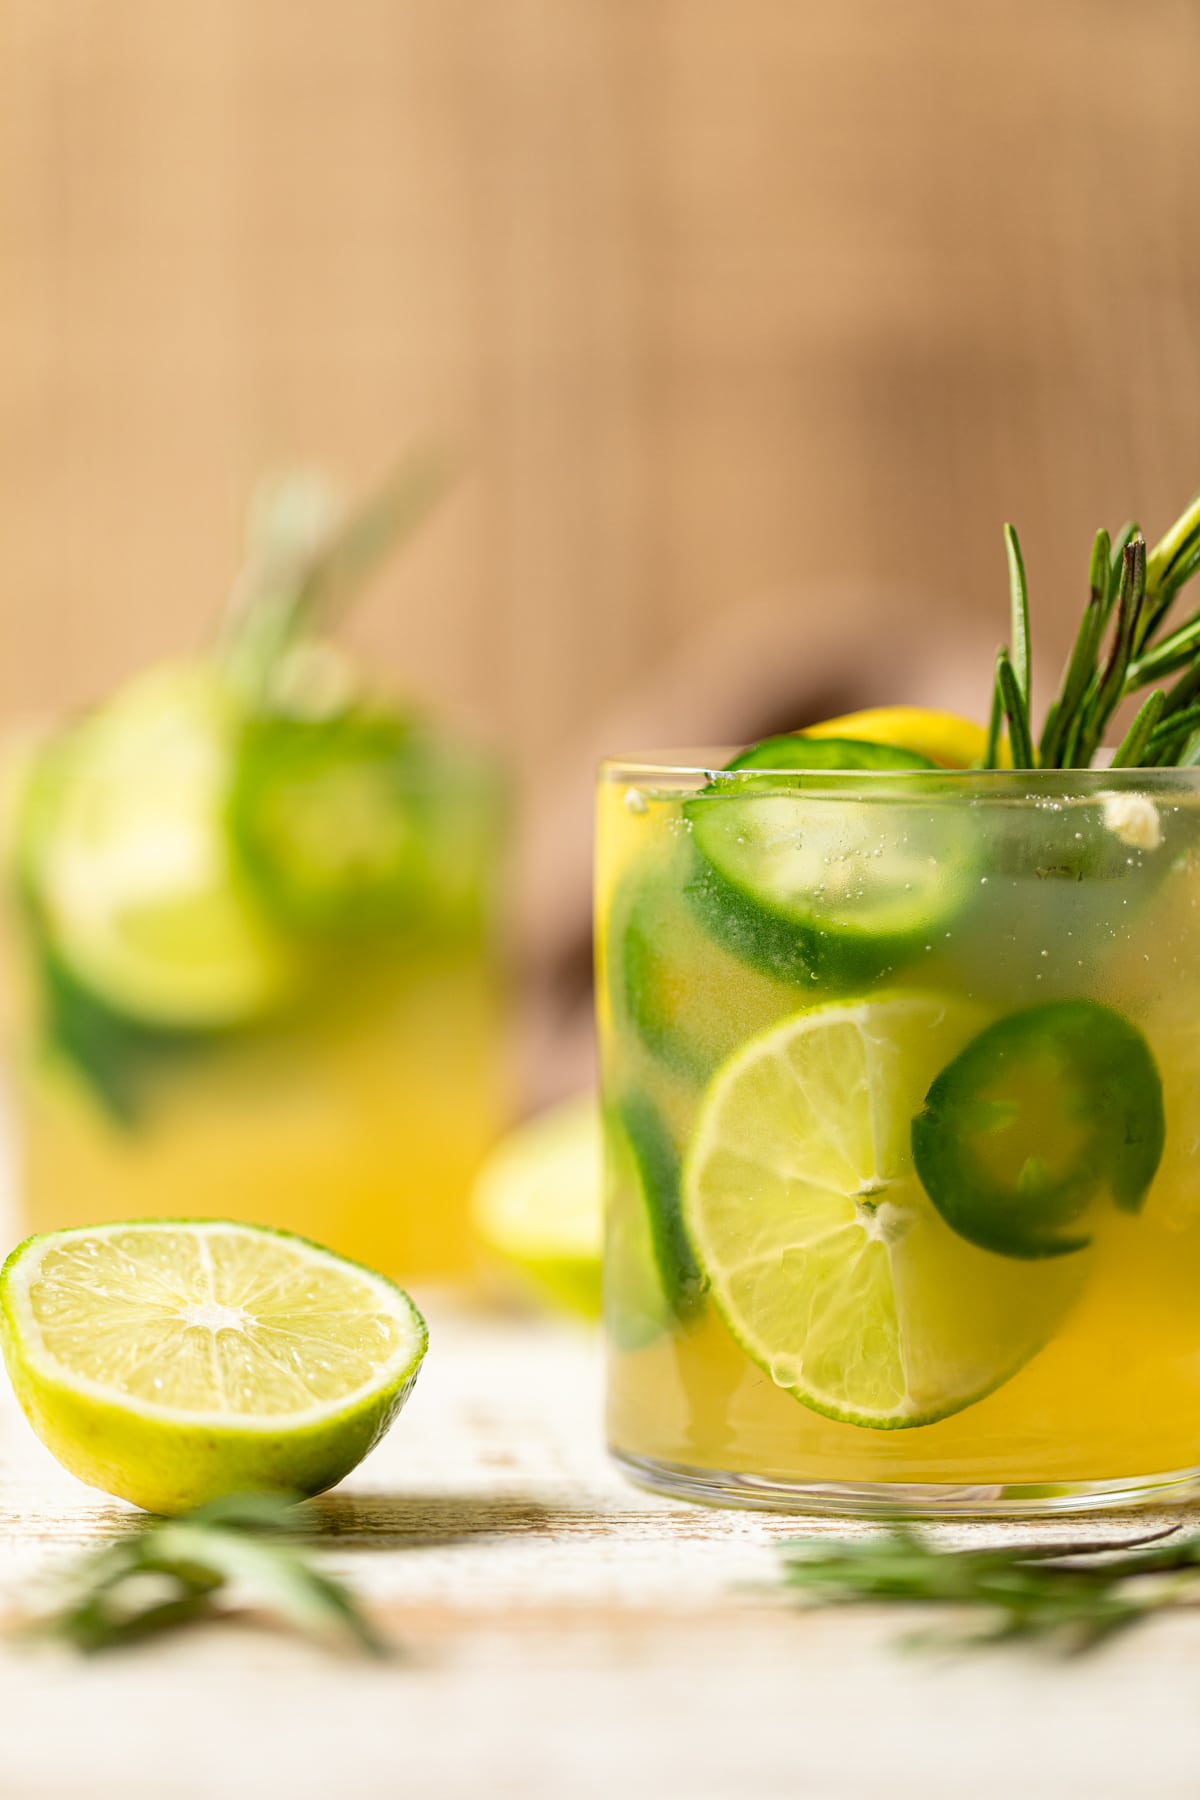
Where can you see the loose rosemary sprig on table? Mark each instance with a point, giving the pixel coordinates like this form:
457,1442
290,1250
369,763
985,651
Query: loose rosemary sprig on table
1069,1596
1118,651
237,1554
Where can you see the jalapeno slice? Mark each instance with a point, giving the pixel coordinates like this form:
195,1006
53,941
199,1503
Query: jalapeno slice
1045,1116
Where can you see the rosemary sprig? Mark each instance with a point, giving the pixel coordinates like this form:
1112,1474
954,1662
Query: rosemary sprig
1018,590
1072,1596
1117,651
1081,663
991,757
1102,700
1133,746
303,565
237,1553
1016,711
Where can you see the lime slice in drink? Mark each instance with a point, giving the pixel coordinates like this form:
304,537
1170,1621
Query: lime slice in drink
825,1257
689,1000
825,884
1044,1116
127,862
652,1281
170,1362
537,1204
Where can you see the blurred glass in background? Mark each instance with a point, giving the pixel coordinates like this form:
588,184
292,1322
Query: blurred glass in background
256,947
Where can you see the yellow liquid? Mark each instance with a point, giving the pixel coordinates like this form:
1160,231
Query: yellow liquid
360,1123
1114,1396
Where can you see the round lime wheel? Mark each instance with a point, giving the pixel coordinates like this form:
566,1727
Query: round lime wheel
128,867
825,1257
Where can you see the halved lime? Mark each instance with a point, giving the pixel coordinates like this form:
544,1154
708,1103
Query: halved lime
170,1362
537,1203
127,862
1045,1115
825,1257
820,886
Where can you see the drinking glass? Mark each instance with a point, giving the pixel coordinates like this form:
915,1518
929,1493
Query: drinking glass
901,1083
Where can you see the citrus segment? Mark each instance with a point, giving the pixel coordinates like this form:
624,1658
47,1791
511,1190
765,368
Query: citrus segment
537,1203
824,1255
126,858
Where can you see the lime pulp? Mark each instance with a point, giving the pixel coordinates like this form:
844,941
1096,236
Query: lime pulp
824,1255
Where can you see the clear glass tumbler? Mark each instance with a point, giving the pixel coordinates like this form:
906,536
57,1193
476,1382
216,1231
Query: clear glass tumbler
902,1110
254,971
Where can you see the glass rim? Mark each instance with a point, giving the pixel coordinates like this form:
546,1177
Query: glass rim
705,767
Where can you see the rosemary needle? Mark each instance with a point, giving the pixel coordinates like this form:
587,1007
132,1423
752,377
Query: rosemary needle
237,1553
1071,1596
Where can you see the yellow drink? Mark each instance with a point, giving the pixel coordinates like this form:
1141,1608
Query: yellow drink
985,1297
257,974
360,1126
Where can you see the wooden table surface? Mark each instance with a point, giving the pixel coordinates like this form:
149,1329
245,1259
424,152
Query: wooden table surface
561,1635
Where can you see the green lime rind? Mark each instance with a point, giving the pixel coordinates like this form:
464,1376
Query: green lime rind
659,1169
825,1258
1040,1118
672,983
170,1459
817,890
652,1282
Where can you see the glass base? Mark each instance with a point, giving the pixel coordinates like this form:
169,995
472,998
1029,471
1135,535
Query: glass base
881,1499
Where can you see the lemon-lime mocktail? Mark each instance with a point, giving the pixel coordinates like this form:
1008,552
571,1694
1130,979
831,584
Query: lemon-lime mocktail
255,946
902,1103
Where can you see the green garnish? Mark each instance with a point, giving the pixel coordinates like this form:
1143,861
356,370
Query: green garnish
791,890
303,565
1070,1596
239,1553
1043,1115
1130,594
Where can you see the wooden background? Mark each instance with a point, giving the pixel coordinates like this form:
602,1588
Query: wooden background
721,305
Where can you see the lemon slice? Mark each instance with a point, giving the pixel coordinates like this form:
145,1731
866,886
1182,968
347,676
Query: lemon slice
824,1255
170,1362
537,1204
126,856
945,738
